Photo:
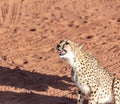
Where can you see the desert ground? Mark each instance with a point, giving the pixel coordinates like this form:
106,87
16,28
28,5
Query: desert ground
31,71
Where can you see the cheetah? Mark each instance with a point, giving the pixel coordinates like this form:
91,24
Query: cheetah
89,76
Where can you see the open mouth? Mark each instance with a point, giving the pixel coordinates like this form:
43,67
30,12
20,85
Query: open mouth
62,52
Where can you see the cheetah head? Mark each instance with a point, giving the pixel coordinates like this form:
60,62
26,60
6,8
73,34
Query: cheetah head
67,49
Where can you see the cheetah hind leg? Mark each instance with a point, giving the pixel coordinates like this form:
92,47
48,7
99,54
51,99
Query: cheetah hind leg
80,99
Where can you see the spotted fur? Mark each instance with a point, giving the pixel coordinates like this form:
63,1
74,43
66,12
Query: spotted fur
92,79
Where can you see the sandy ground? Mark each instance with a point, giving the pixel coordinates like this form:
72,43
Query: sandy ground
30,70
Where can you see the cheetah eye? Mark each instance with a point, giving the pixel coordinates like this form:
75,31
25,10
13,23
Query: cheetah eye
66,43
61,41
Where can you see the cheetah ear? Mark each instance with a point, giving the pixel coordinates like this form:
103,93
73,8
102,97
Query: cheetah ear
81,46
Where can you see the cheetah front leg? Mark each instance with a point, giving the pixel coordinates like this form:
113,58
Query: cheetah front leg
97,98
92,99
80,99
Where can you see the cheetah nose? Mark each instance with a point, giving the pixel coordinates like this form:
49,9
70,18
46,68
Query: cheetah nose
58,46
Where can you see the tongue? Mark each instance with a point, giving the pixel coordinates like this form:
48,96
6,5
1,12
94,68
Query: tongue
62,52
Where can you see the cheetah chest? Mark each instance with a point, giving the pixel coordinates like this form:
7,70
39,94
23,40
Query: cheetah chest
82,86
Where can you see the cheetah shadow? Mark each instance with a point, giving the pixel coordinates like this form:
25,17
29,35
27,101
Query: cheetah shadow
8,97
18,78
31,80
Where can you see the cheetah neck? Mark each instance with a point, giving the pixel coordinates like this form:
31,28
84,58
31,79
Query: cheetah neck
80,59
74,62
71,62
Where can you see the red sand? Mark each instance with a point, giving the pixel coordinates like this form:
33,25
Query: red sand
31,71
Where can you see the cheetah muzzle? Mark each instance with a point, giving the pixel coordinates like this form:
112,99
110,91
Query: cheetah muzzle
61,50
